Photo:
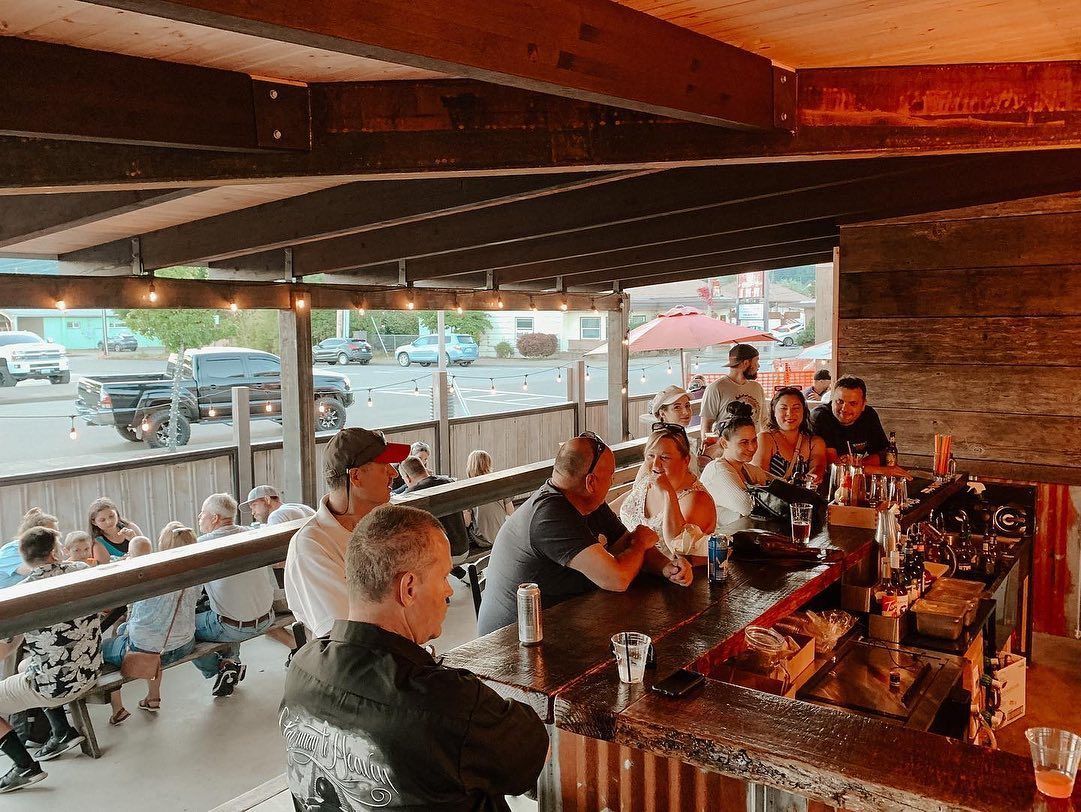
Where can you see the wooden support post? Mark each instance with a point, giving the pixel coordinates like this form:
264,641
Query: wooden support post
245,472
298,405
617,374
576,392
441,404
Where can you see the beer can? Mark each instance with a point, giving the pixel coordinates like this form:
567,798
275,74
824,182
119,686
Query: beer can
530,632
718,558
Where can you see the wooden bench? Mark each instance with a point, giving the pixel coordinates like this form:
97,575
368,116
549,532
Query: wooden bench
111,681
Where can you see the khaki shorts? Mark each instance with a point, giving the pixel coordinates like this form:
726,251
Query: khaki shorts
16,695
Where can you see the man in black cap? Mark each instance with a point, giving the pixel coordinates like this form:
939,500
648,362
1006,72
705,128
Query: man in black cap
372,720
358,472
739,384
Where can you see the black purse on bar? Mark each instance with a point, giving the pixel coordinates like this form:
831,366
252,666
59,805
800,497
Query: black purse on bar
772,501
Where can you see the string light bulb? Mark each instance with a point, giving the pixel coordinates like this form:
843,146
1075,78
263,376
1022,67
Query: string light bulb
696,363
525,384
416,389
360,308
532,304
61,304
322,408
144,426
370,398
212,412
623,389
559,376
593,306
300,302
73,434
626,339
450,385
232,304
563,304
587,374
669,370
270,407
492,382
151,294
411,303
643,376
499,301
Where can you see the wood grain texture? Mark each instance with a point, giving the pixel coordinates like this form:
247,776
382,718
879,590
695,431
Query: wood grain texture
1056,532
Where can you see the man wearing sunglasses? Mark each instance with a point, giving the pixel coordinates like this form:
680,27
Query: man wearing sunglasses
567,540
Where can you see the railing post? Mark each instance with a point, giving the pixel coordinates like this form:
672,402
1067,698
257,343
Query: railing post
245,463
576,393
441,406
618,417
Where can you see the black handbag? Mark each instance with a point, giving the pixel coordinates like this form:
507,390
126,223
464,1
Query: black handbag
772,501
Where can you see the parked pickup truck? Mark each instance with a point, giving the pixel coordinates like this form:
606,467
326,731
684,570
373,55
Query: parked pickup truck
25,356
137,406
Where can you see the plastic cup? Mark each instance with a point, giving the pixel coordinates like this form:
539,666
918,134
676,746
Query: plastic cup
632,652
1056,755
801,521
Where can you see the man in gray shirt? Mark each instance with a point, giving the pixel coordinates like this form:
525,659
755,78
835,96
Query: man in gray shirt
739,384
567,540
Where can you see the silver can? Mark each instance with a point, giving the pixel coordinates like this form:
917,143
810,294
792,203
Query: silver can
530,632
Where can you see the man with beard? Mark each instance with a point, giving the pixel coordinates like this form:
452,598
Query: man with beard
739,384
852,430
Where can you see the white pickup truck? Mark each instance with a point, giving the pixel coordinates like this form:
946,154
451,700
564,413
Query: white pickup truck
24,356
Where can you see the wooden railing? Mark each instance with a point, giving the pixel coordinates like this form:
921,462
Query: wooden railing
32,606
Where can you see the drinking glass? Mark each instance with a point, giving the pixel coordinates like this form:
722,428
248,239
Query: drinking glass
801,521
1055,757
632,651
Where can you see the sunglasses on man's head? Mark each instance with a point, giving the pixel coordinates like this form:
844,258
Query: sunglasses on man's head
598,448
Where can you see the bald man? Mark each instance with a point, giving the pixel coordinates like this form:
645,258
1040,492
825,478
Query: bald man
567,540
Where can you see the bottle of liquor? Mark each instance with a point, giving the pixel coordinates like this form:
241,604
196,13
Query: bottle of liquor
964,551
901,590
891,450
989,555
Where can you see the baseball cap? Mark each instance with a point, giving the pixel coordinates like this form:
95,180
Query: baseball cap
666,397
353,447
261,492
740,353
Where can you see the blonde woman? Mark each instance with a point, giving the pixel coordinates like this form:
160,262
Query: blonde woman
163,624
669,499
485,520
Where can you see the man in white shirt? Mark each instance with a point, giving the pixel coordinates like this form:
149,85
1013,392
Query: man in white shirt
241,605
358,472
266,506
739,384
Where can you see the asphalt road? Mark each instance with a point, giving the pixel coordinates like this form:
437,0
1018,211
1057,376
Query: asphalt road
35,417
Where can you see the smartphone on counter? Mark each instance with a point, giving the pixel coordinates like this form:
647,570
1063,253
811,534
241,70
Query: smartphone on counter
679,683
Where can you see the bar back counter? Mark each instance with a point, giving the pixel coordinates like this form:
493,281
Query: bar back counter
724,746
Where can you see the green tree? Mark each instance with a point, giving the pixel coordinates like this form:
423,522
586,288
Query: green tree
471,322
179,329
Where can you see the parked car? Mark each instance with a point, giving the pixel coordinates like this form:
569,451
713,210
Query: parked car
342,351
786,333
138,406
461,350
121,342
25,356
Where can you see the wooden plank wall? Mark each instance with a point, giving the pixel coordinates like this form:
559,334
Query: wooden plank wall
149,496
969,323
512,440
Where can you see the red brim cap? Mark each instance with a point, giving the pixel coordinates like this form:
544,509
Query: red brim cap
394,452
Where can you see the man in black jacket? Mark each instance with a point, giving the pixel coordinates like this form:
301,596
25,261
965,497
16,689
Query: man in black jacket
372,720
417,477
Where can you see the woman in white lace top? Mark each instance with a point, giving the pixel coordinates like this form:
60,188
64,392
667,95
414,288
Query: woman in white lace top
669,498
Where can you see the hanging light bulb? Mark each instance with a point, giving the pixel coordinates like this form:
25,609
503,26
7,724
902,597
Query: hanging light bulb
212,412
322,408
492,382
643,376
525,384
61,304
587,374
626,339
563,304
593,306
144,427
300,302
411,303
532,304
151,294
232,304
669,370
499,301
559,376
450,386
73,434
270,407
360,308
416,389
623,389
370,398
696,363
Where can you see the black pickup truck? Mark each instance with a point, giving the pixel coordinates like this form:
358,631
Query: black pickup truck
137,406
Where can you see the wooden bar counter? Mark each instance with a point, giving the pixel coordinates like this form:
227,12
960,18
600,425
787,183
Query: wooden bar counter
618,746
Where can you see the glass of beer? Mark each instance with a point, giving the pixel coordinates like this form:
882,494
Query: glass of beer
1055,757
632,652
801,521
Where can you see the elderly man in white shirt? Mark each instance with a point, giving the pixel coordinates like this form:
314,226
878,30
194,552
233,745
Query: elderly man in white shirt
358,472
241,605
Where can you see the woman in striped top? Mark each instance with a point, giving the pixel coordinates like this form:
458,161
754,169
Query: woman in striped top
788,444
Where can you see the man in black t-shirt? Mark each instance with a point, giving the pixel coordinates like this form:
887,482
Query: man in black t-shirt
847,422
567,540
371,720
417,478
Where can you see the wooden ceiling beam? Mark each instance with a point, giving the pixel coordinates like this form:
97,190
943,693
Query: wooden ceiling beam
60,92
454,127
671,193
773,264
25,290
590,50
29,217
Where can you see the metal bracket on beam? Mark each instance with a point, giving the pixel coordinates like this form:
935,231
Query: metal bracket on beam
402,278
489,280
136,256
561,285
784,99
282,115
289,265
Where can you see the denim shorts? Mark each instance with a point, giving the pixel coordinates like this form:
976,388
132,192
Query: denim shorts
114,649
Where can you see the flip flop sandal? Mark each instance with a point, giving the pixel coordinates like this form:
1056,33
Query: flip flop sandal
151,705
119,717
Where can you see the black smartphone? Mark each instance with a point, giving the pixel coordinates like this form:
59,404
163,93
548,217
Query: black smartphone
679,683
